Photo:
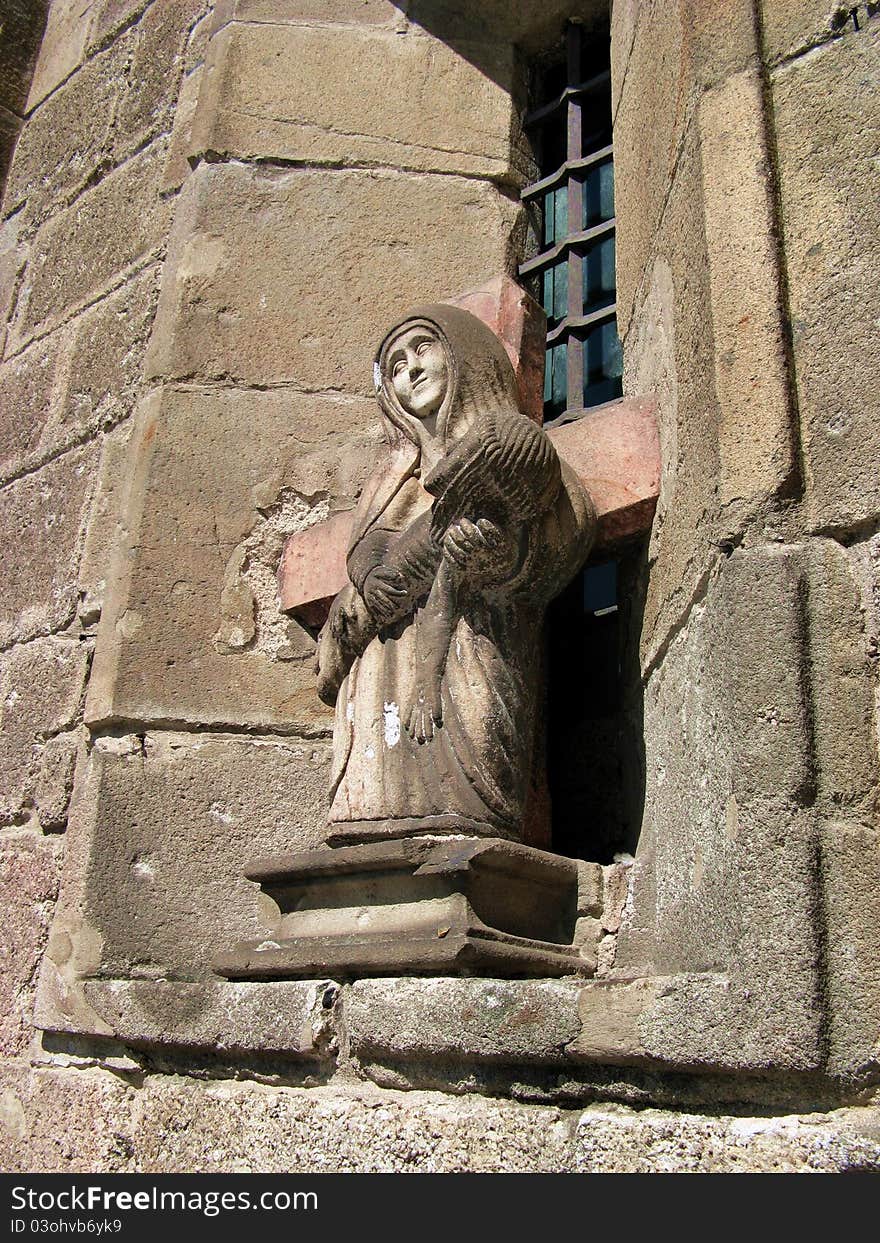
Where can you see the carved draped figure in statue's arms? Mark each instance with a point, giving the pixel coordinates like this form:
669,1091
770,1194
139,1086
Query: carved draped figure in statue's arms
432,653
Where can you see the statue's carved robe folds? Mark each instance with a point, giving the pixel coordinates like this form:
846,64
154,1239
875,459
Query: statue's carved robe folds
436,684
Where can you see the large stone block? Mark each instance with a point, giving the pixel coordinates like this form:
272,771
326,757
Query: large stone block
644,163
41,518
67,138
621,1140
296,275
730,777
29,873
296,1017
43,684
13,257
159,44
755,428
843,690
467,1020
198,636
104,524
161,831
62,47
793,26
184,1125
98,1127
831,216
448,112
676,51
27,384
109,339
81,250
670,352
850,871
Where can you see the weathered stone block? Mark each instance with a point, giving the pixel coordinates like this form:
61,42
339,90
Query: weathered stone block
42,689
104,524
609,1017
157,60
172,645
66,139
245,239
466,1020
239,1127
29,873
41,518
160,833
109,17
850,871
109,341
792,26
767,1014
55,780
98,1129
620,1140
295,1017
177,167
13,257
62,47
26,399
827,173
755,422
677,51
337,108
730,775
643,169
843,687
81,249
670,353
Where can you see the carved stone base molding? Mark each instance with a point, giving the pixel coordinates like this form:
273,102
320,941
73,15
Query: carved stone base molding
444,905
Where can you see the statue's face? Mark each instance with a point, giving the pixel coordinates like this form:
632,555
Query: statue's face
419,372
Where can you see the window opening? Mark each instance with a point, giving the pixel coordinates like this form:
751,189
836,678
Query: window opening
595,759
571,133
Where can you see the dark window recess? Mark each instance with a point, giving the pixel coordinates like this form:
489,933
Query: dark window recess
595,751
571,135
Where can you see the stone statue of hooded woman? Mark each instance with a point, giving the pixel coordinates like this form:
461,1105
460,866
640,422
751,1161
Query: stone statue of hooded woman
432,654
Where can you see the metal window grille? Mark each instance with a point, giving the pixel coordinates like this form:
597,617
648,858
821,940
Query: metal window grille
576,263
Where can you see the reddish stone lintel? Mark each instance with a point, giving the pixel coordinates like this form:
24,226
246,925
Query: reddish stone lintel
615,451
313,568
521,325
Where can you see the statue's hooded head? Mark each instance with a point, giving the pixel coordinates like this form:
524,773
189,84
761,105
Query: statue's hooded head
436,369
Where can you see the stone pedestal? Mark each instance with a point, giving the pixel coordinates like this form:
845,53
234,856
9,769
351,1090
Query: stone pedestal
445,906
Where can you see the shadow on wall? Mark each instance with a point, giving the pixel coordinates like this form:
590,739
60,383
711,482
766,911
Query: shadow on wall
595,710
475,30
22,23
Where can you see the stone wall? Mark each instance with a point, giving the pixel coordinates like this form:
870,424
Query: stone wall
211,215
745,283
